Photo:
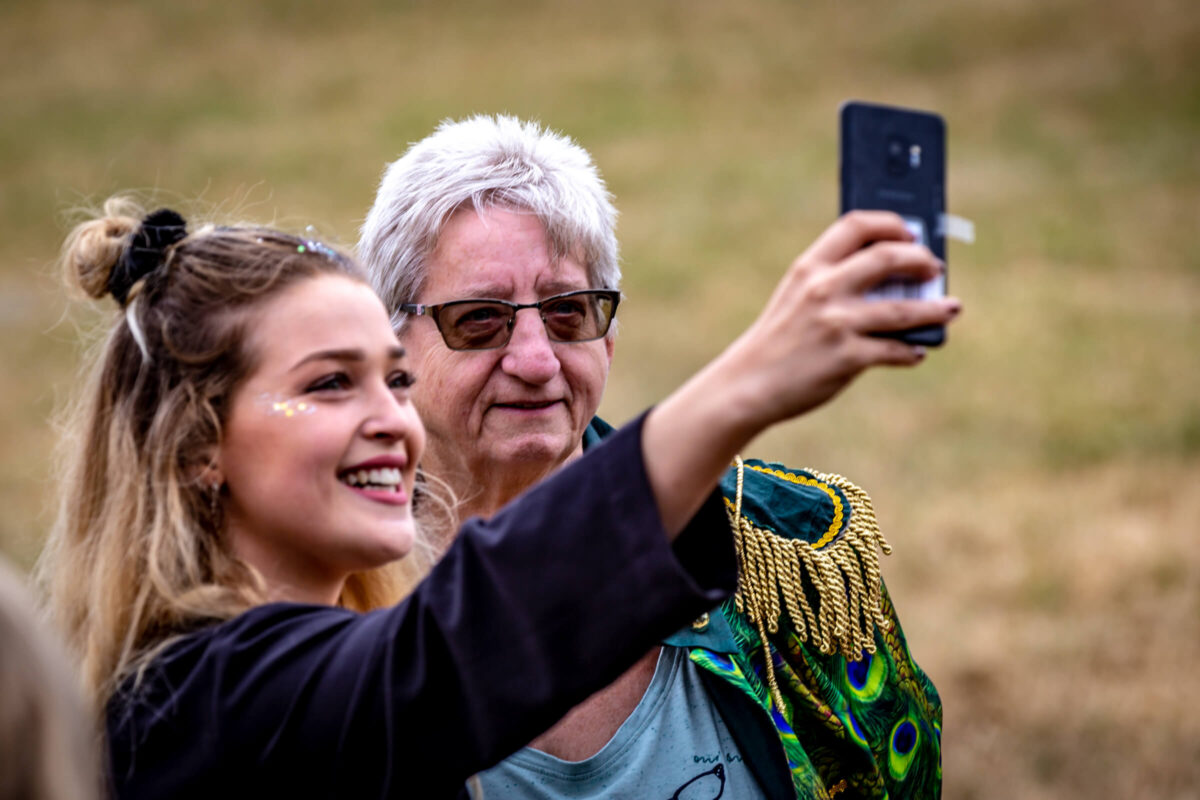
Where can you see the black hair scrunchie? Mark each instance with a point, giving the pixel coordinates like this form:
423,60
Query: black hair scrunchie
158,231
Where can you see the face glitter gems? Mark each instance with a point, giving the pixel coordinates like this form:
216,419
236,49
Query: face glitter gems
275,406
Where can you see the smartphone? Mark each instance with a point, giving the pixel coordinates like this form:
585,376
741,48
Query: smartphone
895,159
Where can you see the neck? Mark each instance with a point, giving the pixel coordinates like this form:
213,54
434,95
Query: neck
321,594
289,578
484,488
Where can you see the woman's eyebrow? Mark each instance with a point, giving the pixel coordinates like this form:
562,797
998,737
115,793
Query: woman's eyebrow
394,353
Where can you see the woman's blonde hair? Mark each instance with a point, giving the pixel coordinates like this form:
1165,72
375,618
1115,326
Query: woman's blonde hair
47,743
136,556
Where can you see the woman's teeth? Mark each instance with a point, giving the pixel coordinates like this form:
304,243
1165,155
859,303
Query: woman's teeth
386,478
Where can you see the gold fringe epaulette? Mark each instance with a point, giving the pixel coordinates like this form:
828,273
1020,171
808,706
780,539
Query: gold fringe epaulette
841,568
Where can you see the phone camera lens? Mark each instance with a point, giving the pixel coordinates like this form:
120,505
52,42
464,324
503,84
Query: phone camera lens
899,156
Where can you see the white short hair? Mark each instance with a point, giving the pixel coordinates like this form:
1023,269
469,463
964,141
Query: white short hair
487,161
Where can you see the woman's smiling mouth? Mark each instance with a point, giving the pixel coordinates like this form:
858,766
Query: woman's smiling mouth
380,479
380,482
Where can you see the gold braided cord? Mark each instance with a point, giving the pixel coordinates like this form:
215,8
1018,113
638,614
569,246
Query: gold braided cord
756,562
842,568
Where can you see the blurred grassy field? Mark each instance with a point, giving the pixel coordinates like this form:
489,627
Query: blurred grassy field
1038,477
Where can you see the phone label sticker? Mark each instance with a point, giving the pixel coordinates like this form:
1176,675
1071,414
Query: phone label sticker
896,289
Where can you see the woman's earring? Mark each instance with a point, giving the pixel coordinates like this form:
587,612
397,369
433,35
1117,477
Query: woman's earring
214,502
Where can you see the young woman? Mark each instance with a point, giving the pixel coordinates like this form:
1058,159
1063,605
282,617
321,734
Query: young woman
243,476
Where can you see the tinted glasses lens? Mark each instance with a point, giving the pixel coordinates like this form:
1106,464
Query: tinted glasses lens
474,324
577,317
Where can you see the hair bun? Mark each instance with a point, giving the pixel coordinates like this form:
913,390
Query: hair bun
94,247
158,231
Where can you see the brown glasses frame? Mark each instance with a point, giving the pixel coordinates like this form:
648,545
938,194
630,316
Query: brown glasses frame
434,310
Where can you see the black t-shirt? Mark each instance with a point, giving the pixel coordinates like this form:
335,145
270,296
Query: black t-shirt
528,614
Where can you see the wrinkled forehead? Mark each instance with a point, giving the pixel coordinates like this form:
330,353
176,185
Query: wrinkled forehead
500,251
565,236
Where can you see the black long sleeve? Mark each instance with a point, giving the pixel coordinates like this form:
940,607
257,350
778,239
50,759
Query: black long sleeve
527,614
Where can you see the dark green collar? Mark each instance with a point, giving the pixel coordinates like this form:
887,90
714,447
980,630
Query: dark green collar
711,632
596,430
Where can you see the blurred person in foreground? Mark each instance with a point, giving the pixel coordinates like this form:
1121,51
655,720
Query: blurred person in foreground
239,485
47,743
479,238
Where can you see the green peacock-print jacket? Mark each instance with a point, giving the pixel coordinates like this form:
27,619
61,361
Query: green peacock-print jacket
833,705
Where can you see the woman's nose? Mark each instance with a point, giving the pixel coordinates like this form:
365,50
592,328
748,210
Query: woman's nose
388,417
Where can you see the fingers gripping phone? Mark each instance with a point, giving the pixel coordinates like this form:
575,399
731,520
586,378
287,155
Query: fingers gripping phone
894,159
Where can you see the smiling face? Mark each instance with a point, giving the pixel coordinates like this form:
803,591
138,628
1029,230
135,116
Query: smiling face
511,414
321,444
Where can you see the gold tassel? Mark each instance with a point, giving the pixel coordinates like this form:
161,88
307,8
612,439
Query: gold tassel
843,568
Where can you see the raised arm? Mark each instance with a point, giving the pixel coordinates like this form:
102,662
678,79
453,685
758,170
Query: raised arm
811,340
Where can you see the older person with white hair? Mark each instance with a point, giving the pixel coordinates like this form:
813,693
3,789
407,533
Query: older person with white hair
802,685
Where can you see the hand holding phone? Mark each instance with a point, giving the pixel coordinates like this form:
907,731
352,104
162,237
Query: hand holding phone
894,159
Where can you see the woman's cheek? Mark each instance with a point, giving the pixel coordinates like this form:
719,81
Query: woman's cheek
277,405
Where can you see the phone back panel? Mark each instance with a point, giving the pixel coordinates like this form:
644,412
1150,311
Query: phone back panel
895,159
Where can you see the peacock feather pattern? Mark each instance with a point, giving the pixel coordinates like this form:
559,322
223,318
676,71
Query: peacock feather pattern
737,670
820,647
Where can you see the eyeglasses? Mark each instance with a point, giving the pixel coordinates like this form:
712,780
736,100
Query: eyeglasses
580,316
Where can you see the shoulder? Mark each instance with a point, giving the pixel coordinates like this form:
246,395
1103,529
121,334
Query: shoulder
187,672
261,628
814,507
808,551
204,656
217,699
